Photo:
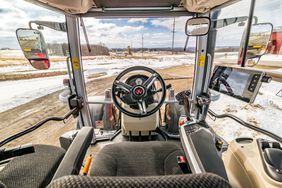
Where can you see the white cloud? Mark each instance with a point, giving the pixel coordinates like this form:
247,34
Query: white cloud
168,23
16,14
138,20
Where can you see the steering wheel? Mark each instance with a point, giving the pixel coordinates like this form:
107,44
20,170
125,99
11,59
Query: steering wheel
138,93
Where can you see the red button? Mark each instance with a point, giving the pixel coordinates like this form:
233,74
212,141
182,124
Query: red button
182,159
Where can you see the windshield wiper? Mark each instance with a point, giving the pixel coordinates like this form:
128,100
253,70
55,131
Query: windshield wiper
85,34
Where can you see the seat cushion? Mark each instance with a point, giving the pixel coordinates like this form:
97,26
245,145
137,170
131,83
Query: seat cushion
137,159
32,170
172,181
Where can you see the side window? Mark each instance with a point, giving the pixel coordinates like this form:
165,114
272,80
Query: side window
29,95
229,37
265,112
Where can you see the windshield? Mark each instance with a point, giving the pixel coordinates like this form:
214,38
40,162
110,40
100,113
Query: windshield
265,112
117,44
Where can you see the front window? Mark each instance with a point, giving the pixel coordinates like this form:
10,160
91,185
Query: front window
117,44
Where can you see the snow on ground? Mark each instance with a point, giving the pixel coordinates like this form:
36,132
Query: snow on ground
265,112
278,71
234,55
113,65
109,64
14,93
11,53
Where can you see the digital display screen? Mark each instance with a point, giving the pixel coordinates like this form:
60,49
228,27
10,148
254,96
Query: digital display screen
238,83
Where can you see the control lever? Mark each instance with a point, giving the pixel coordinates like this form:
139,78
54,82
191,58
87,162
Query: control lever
203,102
183,98
161,89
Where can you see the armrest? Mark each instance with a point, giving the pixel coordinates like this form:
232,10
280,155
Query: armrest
74,156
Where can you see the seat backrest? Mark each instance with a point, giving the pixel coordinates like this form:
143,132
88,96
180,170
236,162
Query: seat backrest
32,170
175,181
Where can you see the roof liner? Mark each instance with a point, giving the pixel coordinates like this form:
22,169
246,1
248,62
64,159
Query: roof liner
202,6
83,6
136,3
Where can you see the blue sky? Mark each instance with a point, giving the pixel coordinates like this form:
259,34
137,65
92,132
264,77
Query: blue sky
113,33
123,32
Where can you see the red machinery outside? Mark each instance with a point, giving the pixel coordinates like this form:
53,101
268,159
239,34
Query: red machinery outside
276,42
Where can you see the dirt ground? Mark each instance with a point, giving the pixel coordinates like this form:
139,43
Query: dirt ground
23,116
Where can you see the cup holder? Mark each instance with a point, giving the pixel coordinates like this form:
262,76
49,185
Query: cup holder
244,140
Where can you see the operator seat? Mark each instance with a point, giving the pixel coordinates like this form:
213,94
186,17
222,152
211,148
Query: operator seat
140,165
32,170
173,181
138,159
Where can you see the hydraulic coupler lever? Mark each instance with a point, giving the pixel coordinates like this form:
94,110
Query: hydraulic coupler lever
75,102
203,102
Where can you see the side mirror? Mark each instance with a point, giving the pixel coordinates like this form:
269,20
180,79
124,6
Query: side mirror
259,40
34,48
197,26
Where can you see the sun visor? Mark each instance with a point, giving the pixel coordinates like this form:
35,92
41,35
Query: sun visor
70,6
202,6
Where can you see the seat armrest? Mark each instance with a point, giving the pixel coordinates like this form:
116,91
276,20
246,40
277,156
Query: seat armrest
74,156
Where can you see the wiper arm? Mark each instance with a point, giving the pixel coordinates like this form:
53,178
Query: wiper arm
245,124
186,43
85,34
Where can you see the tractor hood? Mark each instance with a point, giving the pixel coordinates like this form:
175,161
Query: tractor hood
83,6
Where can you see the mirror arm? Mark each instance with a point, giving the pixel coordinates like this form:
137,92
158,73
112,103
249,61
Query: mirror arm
52,25
248,32
228,21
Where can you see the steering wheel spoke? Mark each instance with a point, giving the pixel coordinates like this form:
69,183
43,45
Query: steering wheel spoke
149,82
123,86
142,107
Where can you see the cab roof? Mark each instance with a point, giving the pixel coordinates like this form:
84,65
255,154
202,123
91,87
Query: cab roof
131,7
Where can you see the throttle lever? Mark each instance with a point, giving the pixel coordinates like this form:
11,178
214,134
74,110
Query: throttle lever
161,89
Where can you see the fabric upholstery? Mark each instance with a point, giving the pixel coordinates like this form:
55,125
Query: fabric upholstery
32,170
137,159
174,181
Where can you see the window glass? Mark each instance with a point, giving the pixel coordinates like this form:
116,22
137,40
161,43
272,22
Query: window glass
117,44
265,112
228,38
29,95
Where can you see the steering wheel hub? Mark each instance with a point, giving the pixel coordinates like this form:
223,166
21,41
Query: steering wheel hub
139,91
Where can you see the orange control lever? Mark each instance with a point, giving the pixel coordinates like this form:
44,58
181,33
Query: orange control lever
87,165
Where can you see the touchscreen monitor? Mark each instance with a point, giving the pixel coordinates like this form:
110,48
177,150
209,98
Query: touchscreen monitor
239,83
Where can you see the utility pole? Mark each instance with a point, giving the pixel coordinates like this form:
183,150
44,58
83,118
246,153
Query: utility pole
173,31
142,43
